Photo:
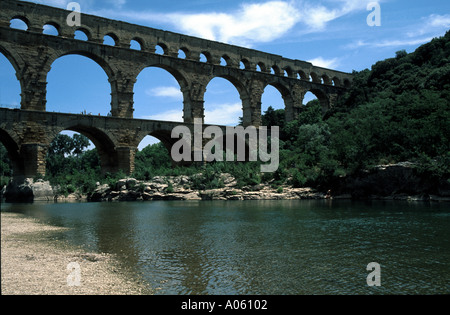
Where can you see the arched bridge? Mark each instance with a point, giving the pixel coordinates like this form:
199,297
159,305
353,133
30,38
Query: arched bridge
27,132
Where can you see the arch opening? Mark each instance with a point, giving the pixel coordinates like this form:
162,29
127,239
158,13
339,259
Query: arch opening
316,97
10,89
19,23
153,156
77,158
161,49
82,35
301,75
244,64
136,44
205,57
273,108
51,29
9,159
109,40
182,53
261,67
223,102
158,95
309,98
85,91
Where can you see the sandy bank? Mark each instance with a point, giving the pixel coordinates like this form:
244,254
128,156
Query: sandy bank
32,263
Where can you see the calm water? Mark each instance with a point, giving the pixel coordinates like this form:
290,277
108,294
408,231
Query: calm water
265,247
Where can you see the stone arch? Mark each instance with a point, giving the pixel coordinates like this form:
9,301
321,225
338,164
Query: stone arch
110,73
106,147
177,75
99,60
22,18
326,79
246,64
286,96
18,65
140,41
336,82
113,36
208,56
55,25
229,62
163,135
288,72
86,31
322,97
13,149
238,85
303,75
14,58
276,70
164,47
185,51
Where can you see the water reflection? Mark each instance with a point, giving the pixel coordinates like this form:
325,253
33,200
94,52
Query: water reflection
265,247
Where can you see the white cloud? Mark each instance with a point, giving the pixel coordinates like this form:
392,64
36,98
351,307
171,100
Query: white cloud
223,114
257,22
219,114
431,24
170,115
325,63
166,91
390,43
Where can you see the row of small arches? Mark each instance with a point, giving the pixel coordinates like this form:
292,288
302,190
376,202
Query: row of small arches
111,39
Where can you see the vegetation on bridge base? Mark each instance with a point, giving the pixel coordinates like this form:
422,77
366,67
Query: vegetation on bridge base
397,111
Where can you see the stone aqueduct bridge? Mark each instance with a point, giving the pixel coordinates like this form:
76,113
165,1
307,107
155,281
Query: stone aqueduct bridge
28,132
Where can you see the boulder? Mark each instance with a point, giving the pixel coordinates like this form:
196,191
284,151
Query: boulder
29,191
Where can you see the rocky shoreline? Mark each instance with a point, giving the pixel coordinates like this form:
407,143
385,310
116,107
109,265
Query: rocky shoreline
385,182
179,188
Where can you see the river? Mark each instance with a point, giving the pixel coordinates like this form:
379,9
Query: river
265,247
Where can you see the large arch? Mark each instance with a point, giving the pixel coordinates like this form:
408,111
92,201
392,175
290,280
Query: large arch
323,99
105,146
286,99
223,101
13,150
10,88
163,84
78,82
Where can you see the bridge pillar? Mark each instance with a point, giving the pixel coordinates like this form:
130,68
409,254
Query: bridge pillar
125,159
194,101
252,105
251,112
122,95
294,104
333,99
34,90
33,160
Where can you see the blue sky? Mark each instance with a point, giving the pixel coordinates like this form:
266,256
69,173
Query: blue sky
328,33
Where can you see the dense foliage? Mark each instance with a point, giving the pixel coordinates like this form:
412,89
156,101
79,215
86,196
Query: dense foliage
397,111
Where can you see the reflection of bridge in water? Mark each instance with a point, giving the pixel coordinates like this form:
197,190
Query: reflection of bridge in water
28,132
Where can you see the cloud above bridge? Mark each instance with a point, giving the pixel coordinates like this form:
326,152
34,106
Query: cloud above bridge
248,24
257,22
215,114
325,63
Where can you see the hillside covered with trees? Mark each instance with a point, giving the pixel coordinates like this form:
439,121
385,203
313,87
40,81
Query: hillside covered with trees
397,111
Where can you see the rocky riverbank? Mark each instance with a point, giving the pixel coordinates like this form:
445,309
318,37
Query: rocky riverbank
386,182
180,188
